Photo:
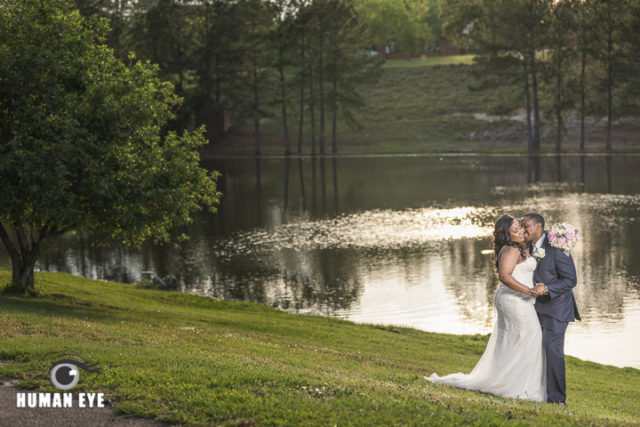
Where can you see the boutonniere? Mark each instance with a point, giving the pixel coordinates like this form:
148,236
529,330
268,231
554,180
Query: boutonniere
540,253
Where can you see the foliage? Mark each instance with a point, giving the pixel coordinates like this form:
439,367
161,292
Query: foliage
347,63
80,144
583,50
406,24
223,55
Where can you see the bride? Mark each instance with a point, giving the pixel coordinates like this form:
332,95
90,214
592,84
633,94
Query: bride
513,364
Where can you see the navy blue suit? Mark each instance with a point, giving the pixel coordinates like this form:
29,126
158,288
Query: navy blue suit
558,272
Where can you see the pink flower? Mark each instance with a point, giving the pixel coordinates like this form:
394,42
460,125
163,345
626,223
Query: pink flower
571,235
562,242
552,236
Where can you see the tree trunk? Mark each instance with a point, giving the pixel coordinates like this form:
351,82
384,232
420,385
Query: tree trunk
528,101
334,106
218,92
334,164
180,92
609,89
256,115
301,174
321,71
312,109
116,25
218,78
301,92
313,183
23,256
207,77
23,274
258,191
582,89
285,128
536,107
287,168
558,102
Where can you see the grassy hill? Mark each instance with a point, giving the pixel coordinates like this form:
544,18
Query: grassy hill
428,105
194,360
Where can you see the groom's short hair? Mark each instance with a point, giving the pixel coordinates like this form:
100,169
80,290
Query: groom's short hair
536,217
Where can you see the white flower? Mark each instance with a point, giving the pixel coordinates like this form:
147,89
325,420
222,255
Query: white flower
540,253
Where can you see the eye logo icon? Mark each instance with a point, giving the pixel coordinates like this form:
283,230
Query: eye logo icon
65,373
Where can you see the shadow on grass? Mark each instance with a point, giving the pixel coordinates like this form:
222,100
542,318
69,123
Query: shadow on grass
84,310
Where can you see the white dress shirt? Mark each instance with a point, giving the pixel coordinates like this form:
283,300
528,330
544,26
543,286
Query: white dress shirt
539,243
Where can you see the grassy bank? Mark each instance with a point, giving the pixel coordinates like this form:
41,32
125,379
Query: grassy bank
426,105
195,360
428,61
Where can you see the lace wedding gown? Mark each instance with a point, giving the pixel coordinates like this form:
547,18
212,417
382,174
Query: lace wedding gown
513,364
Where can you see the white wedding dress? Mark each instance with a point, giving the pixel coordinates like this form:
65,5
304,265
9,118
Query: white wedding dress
513,364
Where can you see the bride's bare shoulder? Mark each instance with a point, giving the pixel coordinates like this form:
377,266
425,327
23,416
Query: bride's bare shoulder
509,254
508,250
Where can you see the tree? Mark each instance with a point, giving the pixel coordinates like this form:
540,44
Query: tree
118,12
405,23
349,63
80,144
630,92
584,46
563,40
283,46
339,64
609,39
506,28
165,37
319,14
215,52
299,27
255,25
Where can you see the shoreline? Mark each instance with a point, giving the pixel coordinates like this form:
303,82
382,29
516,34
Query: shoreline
428,154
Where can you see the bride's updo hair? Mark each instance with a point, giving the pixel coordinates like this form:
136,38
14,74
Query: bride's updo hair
502,238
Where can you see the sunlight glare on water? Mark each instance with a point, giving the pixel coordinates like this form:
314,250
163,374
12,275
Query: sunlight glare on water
383,229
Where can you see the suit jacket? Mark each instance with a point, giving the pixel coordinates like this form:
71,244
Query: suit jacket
558,272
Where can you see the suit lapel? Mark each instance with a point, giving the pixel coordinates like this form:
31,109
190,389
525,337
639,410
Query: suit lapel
545,245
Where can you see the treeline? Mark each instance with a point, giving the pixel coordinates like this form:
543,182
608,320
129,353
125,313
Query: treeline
407,26
579,56
253,58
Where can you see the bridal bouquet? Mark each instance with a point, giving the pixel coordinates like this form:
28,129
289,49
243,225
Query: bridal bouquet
563,236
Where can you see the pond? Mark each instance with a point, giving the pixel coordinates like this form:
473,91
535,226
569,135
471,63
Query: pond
402,240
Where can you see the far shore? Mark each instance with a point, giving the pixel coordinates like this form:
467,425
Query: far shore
426,106
222,155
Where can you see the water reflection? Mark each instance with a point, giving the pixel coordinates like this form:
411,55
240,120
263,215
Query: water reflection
399,240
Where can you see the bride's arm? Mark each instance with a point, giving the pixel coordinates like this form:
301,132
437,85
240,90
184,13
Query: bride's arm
508,260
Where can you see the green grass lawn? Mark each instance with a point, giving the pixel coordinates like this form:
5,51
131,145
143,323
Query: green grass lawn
428,61
194,360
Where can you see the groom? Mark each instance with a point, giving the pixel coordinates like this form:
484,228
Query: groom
555,276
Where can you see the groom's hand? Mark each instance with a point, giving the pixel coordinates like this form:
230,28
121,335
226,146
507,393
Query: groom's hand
539,289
